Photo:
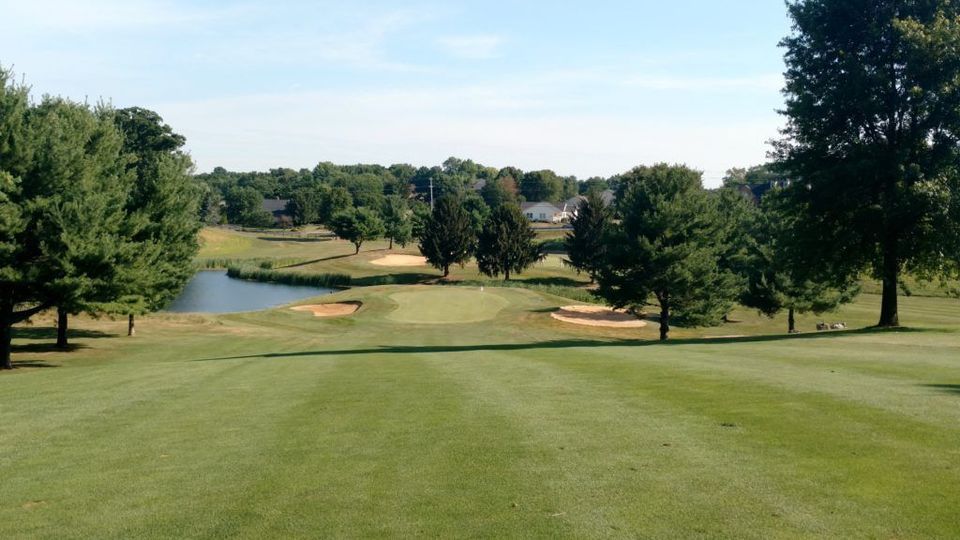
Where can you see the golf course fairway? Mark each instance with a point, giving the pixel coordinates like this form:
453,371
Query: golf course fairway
278,424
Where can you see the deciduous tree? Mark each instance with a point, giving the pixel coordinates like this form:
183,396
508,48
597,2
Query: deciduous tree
873,137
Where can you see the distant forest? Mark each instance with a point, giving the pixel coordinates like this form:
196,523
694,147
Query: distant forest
236,197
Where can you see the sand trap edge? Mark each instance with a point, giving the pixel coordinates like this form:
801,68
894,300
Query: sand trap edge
597,316
339,309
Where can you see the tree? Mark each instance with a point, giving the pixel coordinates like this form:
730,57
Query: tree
357,225
506,243
397,221
495,193
667,247
586,247
333,201
304,206
449,236
541,186
774,269
245,207
873,126
78,186
166,205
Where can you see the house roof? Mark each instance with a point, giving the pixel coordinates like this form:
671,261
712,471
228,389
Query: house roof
275,206
529,205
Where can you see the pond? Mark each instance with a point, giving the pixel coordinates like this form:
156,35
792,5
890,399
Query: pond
214,292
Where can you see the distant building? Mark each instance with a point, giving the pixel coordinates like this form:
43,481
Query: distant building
756,192
543,212
278,209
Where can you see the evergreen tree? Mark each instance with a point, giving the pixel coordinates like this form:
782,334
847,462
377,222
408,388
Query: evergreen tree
667,247
507,243
163,210
449,236
774,270
397,221
78,185
873,137
357,225
586,248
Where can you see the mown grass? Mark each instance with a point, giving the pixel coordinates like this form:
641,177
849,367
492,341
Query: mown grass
279,424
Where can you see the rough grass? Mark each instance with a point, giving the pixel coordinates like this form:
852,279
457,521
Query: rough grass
279,424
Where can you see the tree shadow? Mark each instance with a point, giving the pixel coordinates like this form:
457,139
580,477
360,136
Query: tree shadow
314,261
554,281
948,388
46,348
547,345
18,364
294,239
46,332
414,278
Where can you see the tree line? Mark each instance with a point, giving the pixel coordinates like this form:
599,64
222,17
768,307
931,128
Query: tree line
316,195
98,212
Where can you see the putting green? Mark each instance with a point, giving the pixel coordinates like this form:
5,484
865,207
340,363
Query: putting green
446,305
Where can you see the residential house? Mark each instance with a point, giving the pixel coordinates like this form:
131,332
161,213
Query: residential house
278,209
543,212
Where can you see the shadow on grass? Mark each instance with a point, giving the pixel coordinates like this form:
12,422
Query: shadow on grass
19,364
295,239
948,388
307,263
41,332
46,348
413,278
556,344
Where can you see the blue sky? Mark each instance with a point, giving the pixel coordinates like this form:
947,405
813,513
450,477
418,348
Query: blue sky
585,88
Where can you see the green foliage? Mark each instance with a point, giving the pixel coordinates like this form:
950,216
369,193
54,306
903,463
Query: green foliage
267,275
873,137
507,243
397,219
245,207
304,206
541,186
333,201
775,273
585,244
357,225
668,247
449,236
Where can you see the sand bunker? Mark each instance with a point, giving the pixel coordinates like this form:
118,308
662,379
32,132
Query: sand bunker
330,310
400,260
597,316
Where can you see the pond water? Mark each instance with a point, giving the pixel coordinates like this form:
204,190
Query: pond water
214,292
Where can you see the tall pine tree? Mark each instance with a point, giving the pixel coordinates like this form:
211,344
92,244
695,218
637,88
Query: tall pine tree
586,249
448,237
668,247
507,243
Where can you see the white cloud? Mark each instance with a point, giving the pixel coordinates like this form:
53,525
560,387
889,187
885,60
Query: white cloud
477,47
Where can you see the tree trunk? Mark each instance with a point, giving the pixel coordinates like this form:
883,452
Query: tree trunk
889,314
446,270
506,275
391,244
357,250
131,327
791,322
62,319
6,335
664,318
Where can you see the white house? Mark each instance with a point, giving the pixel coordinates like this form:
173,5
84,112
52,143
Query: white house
543,212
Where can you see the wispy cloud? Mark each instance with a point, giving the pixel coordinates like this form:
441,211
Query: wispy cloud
475,47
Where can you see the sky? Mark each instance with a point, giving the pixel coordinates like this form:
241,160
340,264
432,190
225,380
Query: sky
584,88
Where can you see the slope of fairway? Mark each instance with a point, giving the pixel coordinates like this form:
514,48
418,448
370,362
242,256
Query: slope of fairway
447,305
280,425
